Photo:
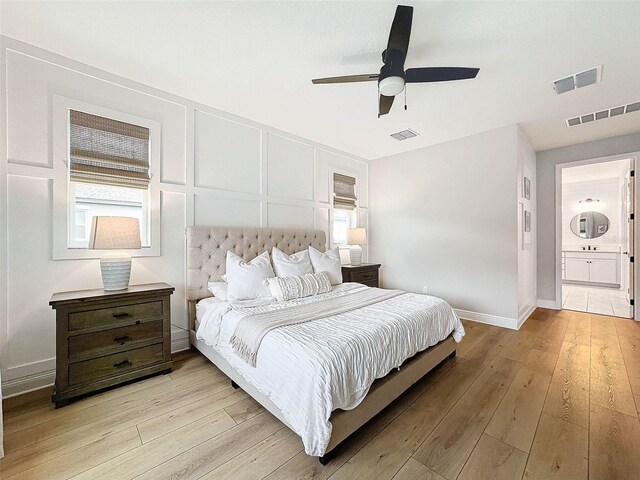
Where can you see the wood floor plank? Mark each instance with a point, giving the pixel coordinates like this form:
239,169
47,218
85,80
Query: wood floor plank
261,459
449,445
614,445
559,450
610,386
482,354
630,347
117,396
55,445
205,457
568,395
518,347
161,424
414,470
75,462
79,416
516,418
244,409
494,460
579,329
390,449
149,455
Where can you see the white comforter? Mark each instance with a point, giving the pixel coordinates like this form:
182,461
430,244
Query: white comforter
310,369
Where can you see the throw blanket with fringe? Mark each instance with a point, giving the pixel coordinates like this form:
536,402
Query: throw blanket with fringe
252,328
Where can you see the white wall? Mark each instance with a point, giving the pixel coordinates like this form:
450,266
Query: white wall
546,162
446,216
216,168
527,285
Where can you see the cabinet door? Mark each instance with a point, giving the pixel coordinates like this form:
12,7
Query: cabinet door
576,269
604,271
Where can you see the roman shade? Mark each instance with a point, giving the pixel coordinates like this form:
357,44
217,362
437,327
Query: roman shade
108,152
344,192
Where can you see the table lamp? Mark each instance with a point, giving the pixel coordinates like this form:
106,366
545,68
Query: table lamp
355,238
118,234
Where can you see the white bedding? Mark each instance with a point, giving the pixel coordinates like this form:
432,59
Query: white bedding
310,369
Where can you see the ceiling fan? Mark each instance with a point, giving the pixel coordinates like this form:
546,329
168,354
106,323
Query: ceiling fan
393,77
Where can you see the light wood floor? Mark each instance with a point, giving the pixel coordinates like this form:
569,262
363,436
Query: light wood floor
557,399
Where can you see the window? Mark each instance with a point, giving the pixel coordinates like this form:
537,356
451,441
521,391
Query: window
344,207
108,174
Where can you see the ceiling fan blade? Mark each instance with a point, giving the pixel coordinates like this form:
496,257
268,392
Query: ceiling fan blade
346,79
400,30
384,105
439,74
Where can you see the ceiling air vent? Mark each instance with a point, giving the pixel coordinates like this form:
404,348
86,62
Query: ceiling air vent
404,134
602,114
578,80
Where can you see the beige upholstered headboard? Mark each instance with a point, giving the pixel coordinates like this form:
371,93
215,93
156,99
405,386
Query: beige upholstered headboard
207,250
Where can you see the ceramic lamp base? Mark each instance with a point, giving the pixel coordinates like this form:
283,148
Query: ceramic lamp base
116,270
355,255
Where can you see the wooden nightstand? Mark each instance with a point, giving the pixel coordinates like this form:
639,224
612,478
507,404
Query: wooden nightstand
367,274
107,338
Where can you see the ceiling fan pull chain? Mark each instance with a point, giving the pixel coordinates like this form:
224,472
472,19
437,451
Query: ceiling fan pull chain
405,97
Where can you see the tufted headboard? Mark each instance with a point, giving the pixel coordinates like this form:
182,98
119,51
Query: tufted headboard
207,250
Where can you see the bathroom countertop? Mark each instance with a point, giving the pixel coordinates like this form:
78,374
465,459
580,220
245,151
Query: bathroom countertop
589,251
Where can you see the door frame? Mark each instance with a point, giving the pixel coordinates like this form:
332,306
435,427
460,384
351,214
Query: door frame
558,243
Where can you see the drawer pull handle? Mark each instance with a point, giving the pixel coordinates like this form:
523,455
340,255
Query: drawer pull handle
121,339
120,315
124,363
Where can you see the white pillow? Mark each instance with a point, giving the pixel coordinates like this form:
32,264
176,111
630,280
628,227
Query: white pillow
329,262
288,288
291,265
247,279
219,290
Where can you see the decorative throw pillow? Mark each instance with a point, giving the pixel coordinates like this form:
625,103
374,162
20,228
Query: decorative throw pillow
328,262
247,279
291,265
288,288
219,290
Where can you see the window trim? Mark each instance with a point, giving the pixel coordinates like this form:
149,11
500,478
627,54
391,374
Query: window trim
60,165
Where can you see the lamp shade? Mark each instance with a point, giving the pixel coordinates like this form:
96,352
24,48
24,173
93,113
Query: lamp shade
356,236
114,233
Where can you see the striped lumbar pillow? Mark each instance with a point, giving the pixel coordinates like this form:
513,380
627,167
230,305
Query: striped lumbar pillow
288,288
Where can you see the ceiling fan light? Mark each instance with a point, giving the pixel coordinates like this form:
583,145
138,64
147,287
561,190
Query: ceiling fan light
391,86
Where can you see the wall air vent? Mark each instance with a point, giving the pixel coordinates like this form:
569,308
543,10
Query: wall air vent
404,134
578,80
602,114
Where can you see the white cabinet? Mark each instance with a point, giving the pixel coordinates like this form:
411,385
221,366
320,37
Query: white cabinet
576,269
591,267
603,271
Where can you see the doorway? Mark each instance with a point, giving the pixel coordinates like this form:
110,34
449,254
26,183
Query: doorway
596,236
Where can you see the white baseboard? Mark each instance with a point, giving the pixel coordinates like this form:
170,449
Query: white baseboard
496,320
525,315
550,304
46,378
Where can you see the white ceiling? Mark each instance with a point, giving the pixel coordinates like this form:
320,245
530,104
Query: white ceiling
256,59
595,171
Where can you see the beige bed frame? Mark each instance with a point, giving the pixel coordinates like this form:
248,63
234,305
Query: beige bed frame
206,253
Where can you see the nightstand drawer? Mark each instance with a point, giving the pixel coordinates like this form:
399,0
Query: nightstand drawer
362,277
116,364
115,339
108,316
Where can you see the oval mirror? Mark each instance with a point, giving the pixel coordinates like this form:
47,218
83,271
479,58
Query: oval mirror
590,224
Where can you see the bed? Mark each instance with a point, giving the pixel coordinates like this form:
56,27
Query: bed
316,377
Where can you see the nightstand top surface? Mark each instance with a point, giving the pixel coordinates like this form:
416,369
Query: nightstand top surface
101,294
362,265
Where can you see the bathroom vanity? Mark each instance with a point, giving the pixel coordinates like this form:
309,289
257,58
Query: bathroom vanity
593,267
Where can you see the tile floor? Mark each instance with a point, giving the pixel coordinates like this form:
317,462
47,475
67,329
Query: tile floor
603,301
